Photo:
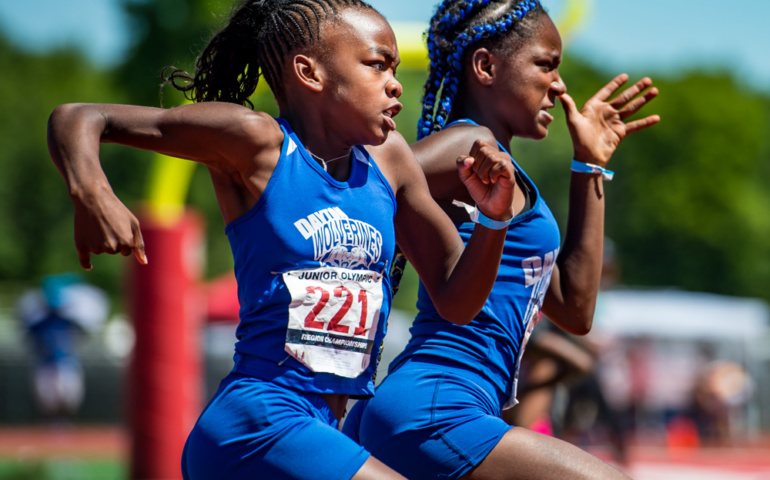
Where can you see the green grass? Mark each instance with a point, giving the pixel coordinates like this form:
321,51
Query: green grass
63,469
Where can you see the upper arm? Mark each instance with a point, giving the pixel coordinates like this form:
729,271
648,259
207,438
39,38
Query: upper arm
562,313
554,300
219,135
437,155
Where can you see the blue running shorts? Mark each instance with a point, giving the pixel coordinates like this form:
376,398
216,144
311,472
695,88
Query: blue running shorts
254,429
429,421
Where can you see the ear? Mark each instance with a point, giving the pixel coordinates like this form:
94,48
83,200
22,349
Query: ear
306,69
483,66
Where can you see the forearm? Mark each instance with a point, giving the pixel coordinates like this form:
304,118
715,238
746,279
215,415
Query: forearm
580,260
469,282
74,133
457,277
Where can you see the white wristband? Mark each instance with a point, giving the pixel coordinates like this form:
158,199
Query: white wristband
581,167
480,218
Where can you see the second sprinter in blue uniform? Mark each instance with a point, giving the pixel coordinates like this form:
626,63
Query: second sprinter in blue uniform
438,413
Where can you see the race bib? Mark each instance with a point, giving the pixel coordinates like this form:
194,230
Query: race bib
333,318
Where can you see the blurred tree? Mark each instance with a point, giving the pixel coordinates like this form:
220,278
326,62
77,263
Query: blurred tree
692,207
35,212
166,33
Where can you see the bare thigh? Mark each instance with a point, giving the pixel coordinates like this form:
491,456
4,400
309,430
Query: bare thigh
374,469
524,454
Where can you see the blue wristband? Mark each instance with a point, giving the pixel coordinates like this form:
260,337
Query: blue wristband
581,167
481,219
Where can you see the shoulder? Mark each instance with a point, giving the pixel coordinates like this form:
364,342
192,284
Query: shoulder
391,149
241,138
261,125
237,121
395,160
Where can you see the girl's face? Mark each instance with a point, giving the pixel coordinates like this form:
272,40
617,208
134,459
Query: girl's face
359,73
530,83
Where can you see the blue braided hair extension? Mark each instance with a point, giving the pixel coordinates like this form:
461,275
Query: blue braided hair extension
456,26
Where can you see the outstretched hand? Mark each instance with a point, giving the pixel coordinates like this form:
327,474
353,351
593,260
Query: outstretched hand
598,128
107,226
488,174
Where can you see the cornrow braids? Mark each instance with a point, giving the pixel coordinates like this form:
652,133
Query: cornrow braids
256,41
455,27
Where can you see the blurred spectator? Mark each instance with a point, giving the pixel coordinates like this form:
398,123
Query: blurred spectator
553,359
56,317
723,389
560,391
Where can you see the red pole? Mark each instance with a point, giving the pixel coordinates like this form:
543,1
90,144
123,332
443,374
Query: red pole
165,377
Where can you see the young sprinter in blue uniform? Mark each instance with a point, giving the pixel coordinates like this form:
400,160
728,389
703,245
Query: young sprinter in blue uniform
438,413
312,217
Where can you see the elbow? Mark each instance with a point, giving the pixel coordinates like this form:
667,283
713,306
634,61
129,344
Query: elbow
56,118
578,321
458,316
458,320
575,314
63,113
581,328
581,323
65,118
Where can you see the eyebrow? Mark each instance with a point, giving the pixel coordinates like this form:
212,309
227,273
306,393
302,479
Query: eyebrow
551,54
387,53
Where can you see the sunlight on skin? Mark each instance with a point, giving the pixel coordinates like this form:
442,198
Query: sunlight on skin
169,179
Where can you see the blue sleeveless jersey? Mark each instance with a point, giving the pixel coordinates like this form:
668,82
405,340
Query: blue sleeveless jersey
309,259
492,344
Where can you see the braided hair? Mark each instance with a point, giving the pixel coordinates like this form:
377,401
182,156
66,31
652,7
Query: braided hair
256,41
455,27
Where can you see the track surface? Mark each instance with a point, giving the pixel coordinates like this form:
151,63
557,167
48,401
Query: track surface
646,463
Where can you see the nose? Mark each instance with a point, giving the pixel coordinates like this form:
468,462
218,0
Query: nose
558,86
394,88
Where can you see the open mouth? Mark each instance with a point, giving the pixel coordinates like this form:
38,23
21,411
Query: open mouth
390,113
545,114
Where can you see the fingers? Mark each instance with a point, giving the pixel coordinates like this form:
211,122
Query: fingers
489,163
139,253
637,125
476,148
636,104
109,241
608,90
488,174
628,94
136,248
569,105
631,104
84,256
464,167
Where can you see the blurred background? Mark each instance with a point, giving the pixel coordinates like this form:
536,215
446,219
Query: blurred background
676,381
